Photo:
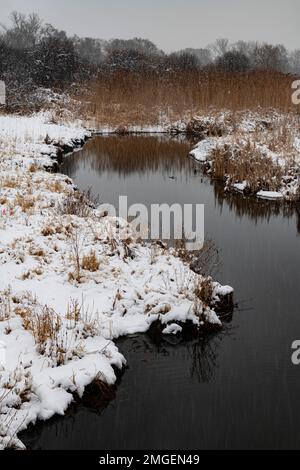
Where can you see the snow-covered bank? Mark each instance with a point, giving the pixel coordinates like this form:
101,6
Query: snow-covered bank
69,284
257,154
164,126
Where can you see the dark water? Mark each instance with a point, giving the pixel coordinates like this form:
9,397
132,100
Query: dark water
236,389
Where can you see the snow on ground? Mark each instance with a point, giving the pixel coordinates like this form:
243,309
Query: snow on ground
203,149
35,138
70,284
259,155
164,126
269,195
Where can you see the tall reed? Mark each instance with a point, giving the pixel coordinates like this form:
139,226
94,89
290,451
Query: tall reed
128,98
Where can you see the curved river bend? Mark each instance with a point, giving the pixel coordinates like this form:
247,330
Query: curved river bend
235,389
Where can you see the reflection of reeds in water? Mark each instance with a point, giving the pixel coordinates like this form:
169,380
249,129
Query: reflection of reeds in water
254,208
197,351
138,154
204,356
129,154
196,357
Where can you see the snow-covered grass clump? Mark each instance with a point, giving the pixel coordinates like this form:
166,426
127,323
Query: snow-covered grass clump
259,154
70,283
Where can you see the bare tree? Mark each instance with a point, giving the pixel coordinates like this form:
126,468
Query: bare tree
219,47
294,61
266,56
182,61
24,32
89,49
233,61
203,56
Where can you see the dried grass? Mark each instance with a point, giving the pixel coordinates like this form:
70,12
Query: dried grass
80,203
246,163
124,98
25,202
204,291
6,309
90,262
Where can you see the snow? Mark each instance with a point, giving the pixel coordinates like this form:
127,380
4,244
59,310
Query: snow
269,195
164,126
297,144
172,329
221,291
41,284
270,136
240,186
203,149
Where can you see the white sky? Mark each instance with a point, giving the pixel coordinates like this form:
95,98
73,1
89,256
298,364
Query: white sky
171,24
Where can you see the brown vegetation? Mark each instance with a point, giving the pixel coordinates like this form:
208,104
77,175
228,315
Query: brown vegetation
78,203
25,202
247,163
127,98
90,262
204,291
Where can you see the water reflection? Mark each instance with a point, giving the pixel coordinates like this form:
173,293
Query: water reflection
155,168
255,209
130,154
232,390
196,359
200,351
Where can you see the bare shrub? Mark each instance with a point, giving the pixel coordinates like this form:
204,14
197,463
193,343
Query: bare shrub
78,313
56,337
44,326
79,203
76,248
51,338
74,311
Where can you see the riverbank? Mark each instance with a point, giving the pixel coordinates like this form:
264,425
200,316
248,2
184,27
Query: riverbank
256,154
70,284
253,152
218,381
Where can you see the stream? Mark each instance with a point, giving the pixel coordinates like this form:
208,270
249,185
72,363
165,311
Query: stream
233,389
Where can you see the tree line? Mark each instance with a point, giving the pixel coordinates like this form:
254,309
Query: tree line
34,54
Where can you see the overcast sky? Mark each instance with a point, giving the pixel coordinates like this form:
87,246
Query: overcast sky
171,24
